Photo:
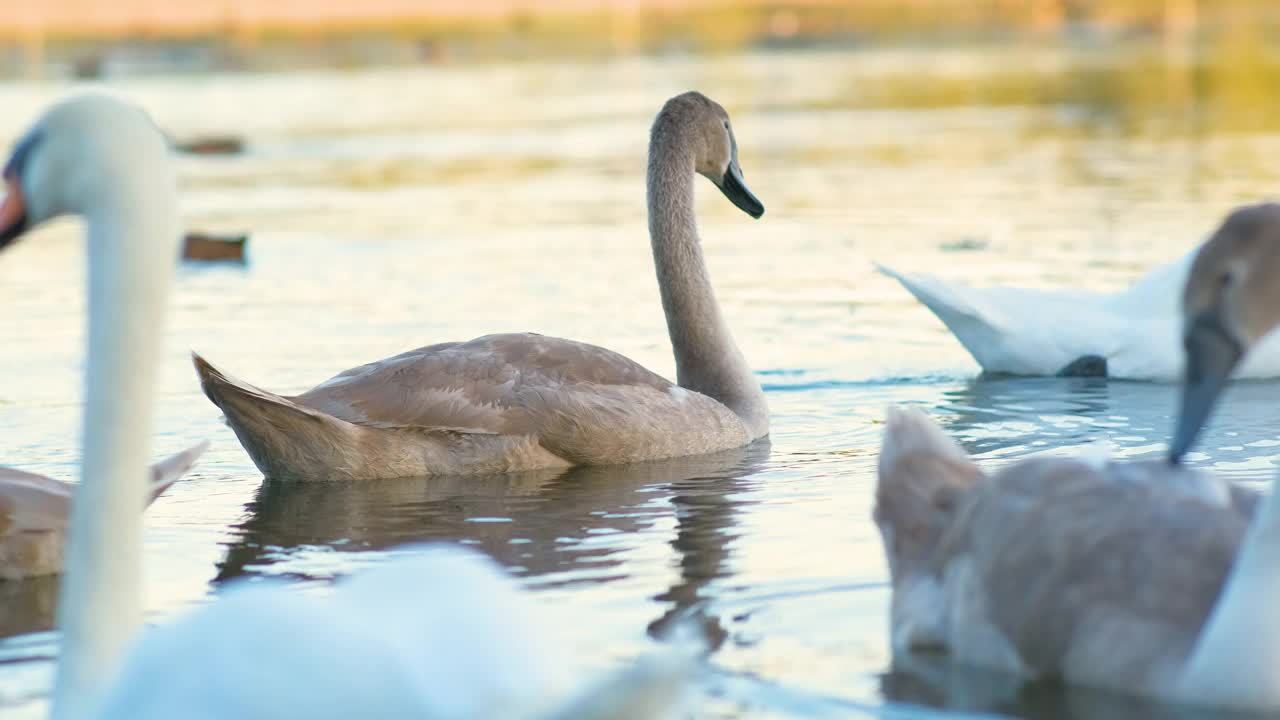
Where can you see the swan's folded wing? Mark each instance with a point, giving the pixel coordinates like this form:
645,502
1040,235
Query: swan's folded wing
32,503
494,384
35,503
1100,580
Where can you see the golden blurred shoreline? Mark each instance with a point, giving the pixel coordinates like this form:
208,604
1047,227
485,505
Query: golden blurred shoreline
258,34
149,18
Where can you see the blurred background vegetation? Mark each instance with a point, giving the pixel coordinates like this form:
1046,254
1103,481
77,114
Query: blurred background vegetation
1150,66
267,33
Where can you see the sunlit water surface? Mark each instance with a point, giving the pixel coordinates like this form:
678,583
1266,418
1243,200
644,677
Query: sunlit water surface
391,209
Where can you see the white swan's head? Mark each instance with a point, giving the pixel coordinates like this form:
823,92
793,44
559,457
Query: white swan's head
1231,301
702,126
85,151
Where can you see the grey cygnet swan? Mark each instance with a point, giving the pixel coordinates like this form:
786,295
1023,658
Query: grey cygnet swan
522,401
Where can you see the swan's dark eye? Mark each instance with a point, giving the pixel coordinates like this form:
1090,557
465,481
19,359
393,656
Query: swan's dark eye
726,124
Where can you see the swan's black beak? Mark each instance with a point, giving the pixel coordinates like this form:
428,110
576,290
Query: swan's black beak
736,190
1212,353
13,212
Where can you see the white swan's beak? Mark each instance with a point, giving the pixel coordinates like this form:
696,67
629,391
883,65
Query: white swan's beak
1212,353
13,211
734,188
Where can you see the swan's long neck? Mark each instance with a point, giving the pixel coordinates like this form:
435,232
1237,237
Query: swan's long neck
131,243
707,359
1236,661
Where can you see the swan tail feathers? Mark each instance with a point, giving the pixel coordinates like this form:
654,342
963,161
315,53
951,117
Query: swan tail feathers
168,471
970,317
938,295
225,390
922,476
283,438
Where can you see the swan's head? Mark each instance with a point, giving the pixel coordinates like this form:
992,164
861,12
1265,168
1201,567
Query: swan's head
1231,301
703,126
76,158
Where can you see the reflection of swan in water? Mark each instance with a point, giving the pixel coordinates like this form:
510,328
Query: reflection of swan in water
932,681
355,517
1012,417
28,605
705,515
983,400
535,522
979,414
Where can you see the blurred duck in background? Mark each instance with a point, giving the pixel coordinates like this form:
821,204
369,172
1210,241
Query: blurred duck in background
523,401
208,247
1147,577
440,633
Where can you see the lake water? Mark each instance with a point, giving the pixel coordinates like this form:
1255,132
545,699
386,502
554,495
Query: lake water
394,208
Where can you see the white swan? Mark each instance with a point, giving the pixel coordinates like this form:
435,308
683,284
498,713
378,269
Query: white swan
35,510
524,401
1141,577
440,634
1133,334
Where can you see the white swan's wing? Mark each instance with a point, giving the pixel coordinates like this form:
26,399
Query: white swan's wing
1263,360
1156,294
1151,346
441,633
1039,332
1053,567
1015,330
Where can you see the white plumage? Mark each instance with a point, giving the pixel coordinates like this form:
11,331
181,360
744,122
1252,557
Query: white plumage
1021,331
441,634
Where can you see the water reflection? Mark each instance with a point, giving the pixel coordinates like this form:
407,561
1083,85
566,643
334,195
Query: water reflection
998,418
986,411
929,680
548,523
28,605
705,511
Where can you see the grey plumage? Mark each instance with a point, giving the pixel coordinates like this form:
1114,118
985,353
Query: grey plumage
1100,575
523,401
